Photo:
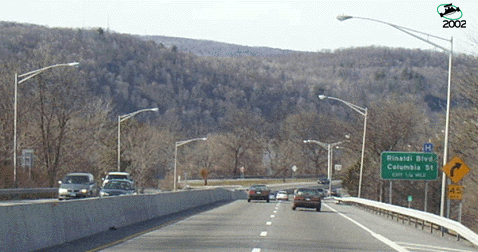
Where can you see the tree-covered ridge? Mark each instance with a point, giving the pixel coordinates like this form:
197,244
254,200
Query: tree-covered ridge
213,48
137,73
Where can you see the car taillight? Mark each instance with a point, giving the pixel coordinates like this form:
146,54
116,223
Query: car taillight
298,198
252,192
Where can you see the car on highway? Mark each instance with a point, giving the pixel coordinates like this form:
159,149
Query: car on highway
332,193
282,195
77,185
258,192
117,187
116,175
307,198
323,180
272,195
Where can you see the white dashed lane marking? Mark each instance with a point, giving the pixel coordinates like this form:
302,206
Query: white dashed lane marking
264,233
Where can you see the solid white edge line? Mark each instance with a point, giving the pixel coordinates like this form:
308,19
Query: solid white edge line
429,247
425,249
378,236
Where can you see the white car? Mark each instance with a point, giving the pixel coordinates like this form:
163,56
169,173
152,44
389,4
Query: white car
282,195
116,176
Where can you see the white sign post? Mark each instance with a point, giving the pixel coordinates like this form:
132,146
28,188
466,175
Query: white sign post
294,169
242,171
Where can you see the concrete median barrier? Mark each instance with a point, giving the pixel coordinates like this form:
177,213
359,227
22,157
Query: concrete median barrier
28,227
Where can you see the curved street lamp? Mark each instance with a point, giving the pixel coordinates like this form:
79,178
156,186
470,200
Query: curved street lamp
176,145
23,78
362,111
447,119
328,147
122,118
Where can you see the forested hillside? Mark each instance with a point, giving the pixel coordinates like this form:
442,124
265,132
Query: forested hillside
134,74
213,48
255,105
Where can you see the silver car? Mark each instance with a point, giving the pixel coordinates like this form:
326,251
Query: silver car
77,185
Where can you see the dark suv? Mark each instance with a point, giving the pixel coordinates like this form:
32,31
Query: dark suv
307,198
258,192
77,185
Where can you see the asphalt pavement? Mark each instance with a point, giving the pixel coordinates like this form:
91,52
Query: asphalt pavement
260,226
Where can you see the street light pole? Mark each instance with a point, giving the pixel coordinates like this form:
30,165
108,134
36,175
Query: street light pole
176,145
25,77
447,117
122,118
363,112
328,147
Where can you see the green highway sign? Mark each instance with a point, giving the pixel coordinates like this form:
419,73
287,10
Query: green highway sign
409,166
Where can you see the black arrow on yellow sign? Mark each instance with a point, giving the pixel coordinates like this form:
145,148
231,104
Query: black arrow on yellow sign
455,167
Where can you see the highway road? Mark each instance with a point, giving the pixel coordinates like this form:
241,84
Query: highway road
260,226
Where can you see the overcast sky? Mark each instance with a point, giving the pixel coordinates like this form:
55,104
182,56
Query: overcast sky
296,25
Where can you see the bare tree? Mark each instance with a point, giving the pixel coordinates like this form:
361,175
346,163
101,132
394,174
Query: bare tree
394,125
204,173
146,148
90,143
242,142
6,124
58,96
308,125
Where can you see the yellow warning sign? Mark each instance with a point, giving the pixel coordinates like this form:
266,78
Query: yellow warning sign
456,169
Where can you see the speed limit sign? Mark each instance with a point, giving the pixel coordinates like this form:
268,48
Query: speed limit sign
455,192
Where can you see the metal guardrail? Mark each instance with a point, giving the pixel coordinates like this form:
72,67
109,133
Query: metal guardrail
27,190
419,217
